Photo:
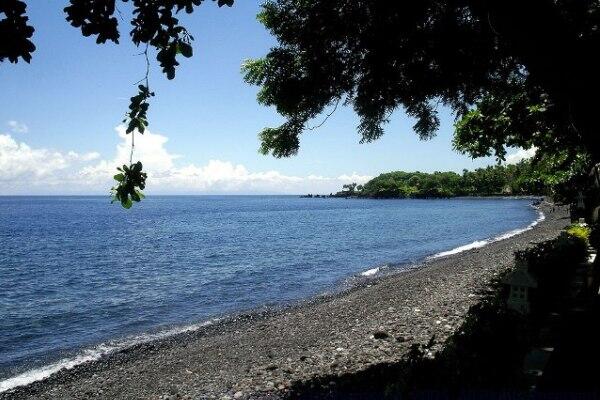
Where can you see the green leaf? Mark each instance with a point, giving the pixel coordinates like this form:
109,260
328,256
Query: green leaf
185,49
119,177
126,203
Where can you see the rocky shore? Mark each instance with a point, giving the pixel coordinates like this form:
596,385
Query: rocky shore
264,355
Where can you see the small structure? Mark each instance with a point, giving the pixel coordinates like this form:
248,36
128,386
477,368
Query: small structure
520,283
577,210
595,194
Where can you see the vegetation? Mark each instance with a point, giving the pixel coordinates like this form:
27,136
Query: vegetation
518,179
580,231
553,263
488,61
130,183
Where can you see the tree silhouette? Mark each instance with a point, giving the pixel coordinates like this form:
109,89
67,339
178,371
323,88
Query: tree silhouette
526,69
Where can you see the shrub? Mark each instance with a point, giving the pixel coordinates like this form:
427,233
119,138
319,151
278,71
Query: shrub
580,231
553,262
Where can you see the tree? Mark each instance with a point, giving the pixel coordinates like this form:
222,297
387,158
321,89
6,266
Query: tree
153,25
517,179
528,69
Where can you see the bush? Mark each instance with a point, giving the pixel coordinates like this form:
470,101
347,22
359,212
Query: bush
579,231
553,262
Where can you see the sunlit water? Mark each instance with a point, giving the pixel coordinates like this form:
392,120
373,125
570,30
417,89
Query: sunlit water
80,278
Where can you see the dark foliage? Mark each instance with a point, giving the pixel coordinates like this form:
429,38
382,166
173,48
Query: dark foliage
528,69
595,236
15,33
130,182
138,108
553,263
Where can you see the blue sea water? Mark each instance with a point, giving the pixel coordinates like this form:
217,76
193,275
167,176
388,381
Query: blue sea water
77,273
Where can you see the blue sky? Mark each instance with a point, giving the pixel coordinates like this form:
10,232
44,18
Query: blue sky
66,105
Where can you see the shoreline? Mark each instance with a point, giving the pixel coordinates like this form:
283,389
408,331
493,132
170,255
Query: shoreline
231,342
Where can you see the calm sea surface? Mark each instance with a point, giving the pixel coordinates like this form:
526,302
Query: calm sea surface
77,273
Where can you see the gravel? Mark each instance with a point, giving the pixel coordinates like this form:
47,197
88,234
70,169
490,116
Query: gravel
261,354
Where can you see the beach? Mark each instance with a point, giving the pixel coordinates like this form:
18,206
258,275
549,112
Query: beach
264,354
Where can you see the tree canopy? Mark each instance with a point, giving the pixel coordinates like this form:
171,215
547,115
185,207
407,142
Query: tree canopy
518,179
527,70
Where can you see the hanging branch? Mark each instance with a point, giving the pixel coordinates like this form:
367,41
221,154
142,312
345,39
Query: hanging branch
142,114
131,180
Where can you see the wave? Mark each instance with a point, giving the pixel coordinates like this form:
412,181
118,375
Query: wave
480,243
94,354
370,272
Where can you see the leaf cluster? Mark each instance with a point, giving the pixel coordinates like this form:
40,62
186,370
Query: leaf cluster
153,23
15,33
516,116
130,183
94,18
137,116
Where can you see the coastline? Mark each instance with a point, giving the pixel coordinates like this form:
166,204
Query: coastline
262,353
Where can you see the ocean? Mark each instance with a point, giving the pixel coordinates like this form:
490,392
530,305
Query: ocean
80,278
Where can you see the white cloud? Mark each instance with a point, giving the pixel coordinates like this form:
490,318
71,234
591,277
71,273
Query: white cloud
83,157
520,155
45,171
17,127
149,148
18,160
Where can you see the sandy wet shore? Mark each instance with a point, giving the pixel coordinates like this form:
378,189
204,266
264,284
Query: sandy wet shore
261,355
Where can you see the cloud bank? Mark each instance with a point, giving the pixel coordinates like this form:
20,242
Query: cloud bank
25,170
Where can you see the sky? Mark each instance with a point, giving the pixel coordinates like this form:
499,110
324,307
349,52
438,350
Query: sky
60,118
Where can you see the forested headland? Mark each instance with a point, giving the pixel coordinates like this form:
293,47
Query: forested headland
520,179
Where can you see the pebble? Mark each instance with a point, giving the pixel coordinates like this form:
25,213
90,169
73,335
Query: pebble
380,335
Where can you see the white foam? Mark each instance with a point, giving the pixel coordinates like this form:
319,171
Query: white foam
480,243
474,245
44,372
370,272
93,354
